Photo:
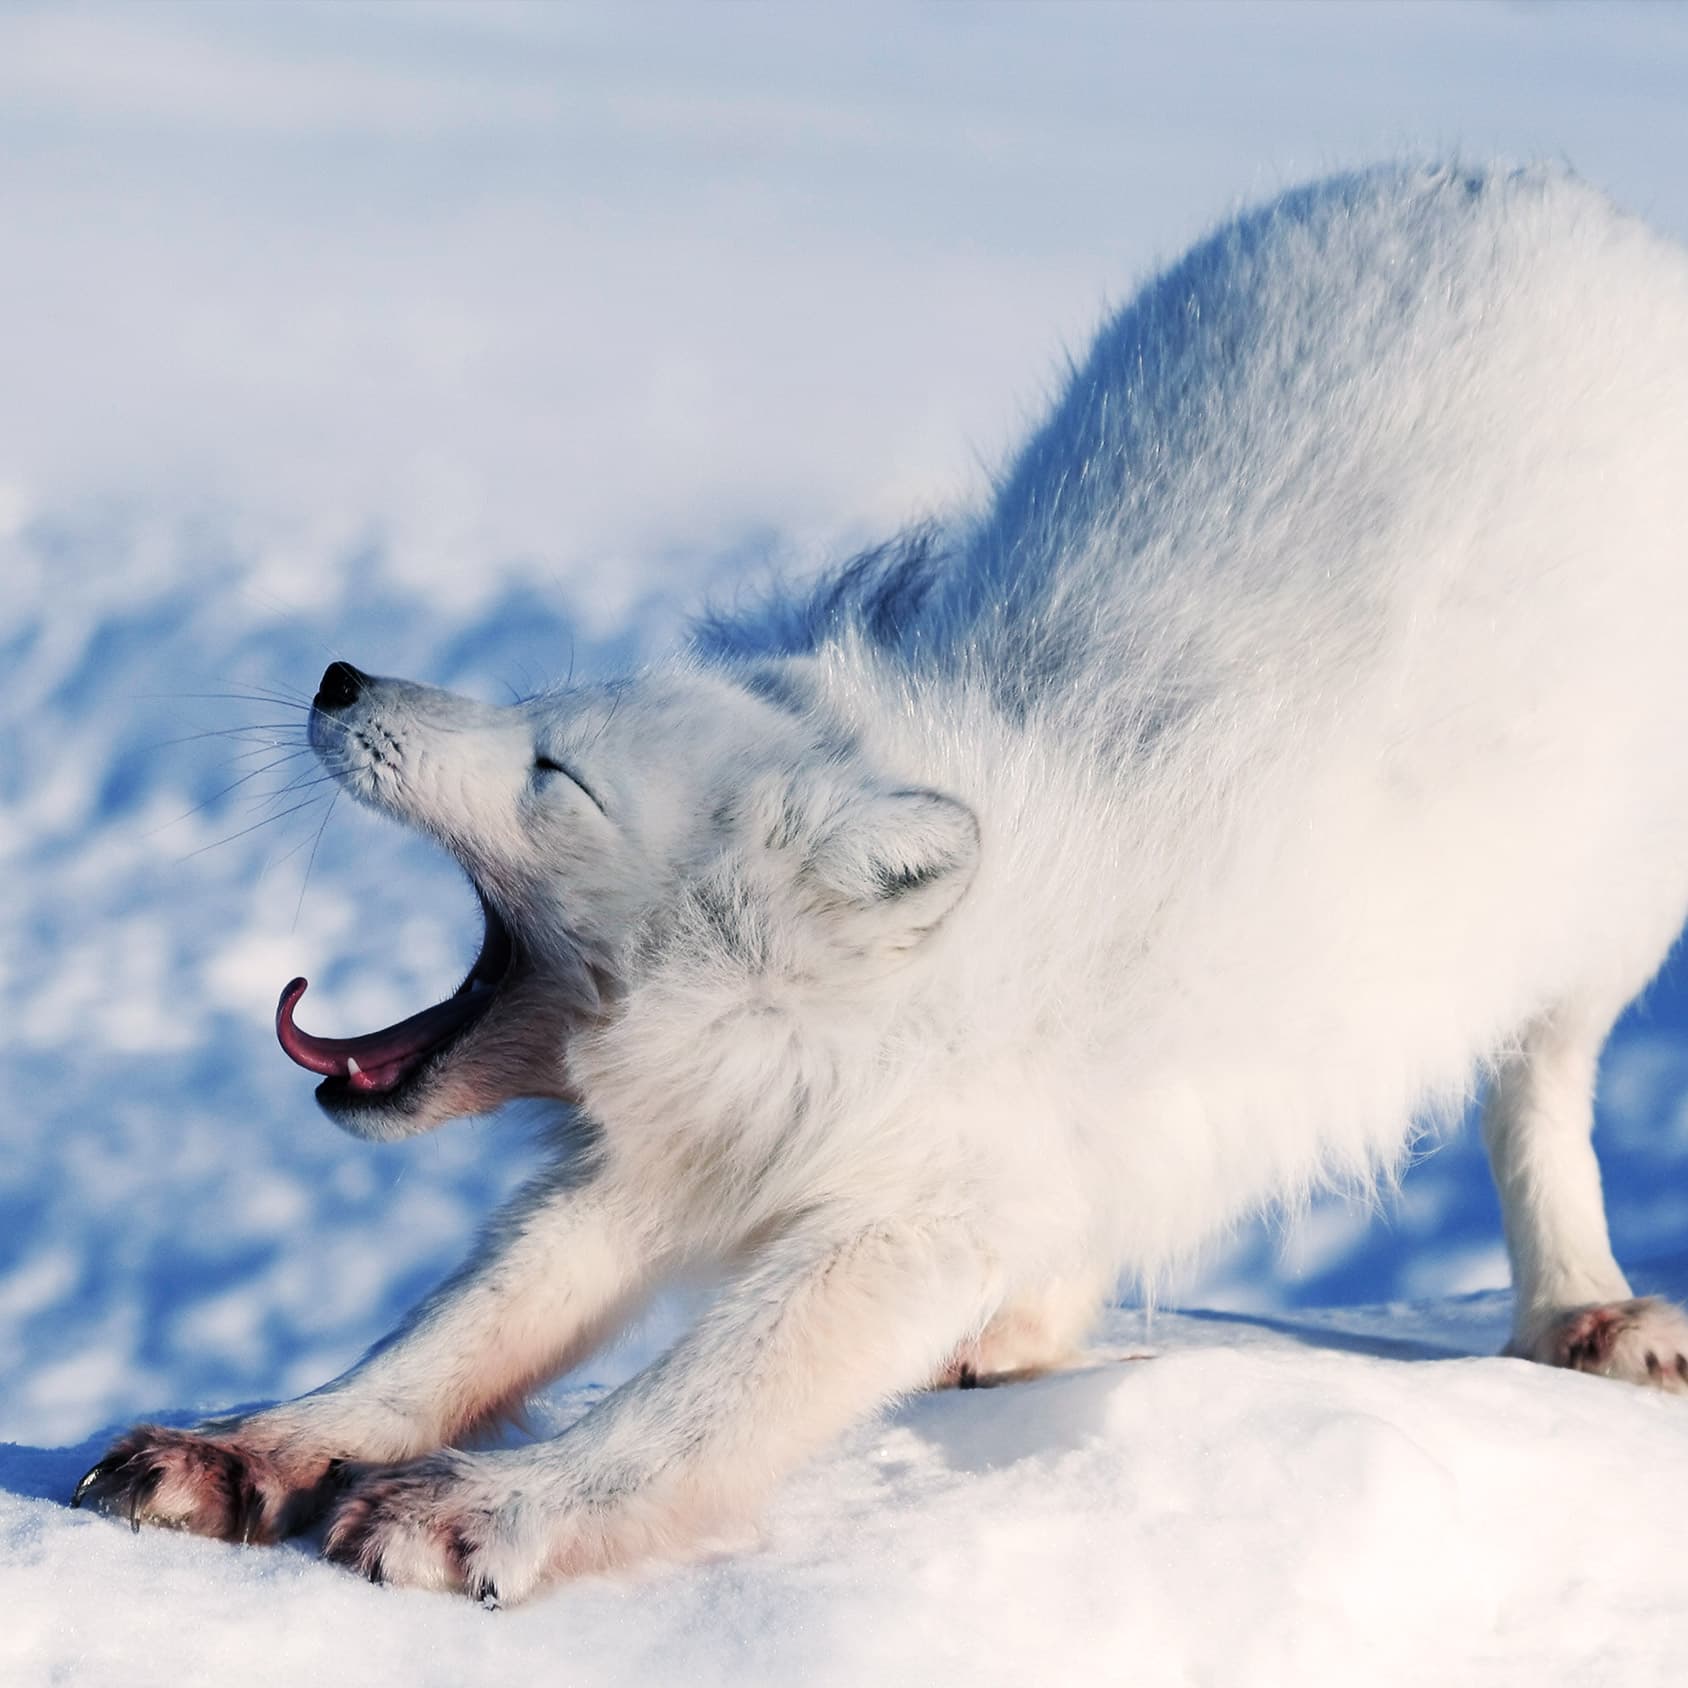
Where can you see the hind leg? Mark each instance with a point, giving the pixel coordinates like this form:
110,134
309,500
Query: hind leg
1030,1335
1573,1306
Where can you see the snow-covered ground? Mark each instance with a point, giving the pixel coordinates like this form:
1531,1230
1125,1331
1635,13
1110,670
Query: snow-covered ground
1347,1499
479,342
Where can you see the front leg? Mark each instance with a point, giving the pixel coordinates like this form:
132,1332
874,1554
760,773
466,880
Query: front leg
556,1271
821,1329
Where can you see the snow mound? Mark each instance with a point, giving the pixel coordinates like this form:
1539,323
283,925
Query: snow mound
1356,1498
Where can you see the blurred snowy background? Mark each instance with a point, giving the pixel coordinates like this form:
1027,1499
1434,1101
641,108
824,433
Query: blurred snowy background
479,342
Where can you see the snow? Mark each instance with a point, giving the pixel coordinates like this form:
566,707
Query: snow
480,342
1239,1502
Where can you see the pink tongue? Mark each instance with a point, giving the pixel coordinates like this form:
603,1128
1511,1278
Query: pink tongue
378,1060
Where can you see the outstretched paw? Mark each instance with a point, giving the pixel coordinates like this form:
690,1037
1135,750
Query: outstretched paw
436,1524
205,1483
1641,1341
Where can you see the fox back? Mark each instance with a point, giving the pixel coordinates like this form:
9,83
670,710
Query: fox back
1315,677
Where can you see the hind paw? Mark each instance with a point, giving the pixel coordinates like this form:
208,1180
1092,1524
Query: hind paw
1642,1341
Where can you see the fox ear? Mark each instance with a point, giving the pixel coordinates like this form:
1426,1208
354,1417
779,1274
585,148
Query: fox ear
900,860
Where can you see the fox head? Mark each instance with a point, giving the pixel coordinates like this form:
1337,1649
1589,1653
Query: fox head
686,882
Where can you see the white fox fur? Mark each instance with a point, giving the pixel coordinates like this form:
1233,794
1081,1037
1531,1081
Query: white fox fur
1300,734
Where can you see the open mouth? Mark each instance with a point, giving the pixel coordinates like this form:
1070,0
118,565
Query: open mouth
379,1063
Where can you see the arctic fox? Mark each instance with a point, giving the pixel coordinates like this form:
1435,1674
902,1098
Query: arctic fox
1299,738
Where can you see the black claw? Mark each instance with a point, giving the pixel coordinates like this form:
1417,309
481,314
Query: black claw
140,1494
1653,1369
485,1594
967,1378
1682,1368
89,1478
248,1509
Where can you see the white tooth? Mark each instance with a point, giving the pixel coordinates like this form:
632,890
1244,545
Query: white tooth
352,1067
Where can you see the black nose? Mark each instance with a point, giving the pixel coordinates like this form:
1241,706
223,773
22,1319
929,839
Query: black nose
340,686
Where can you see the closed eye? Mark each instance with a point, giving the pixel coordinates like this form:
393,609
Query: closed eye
547,765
